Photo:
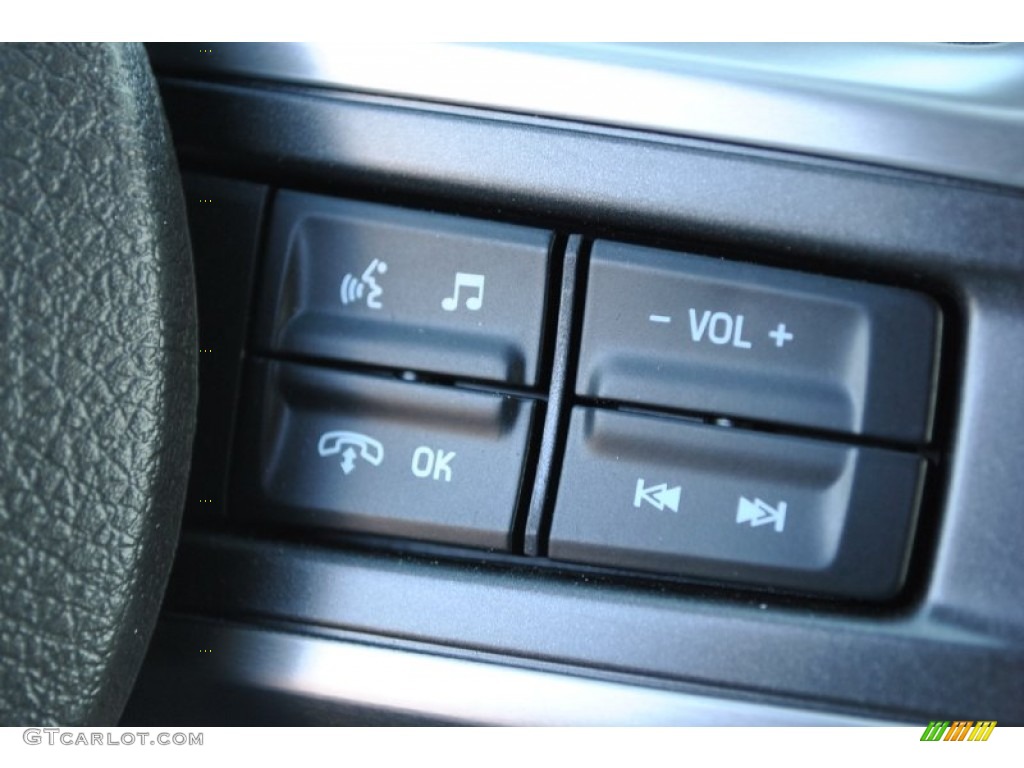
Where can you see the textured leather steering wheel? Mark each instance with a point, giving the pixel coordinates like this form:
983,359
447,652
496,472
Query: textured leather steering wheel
98,322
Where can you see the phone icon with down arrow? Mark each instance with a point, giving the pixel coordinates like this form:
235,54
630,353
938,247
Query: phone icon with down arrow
347,443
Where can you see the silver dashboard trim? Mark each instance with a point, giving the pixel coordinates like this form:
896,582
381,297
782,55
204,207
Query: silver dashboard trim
457,690
952,110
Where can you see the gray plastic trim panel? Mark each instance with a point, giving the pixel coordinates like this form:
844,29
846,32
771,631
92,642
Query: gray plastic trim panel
945,109
454,690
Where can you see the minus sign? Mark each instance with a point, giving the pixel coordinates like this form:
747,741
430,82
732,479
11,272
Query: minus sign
661,319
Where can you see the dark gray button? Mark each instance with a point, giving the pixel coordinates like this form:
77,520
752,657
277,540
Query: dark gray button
734,339
380,456
406,289
662,495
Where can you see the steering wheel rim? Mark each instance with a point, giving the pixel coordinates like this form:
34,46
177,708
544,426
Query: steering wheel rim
98,321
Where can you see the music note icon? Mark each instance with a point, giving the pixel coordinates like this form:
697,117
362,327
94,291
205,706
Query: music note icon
471,282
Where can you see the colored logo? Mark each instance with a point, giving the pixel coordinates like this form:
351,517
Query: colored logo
960,730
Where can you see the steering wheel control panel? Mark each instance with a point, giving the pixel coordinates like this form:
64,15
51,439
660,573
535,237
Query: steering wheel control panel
710,410
710,419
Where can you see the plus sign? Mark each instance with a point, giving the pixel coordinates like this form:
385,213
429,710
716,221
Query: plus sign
780,335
